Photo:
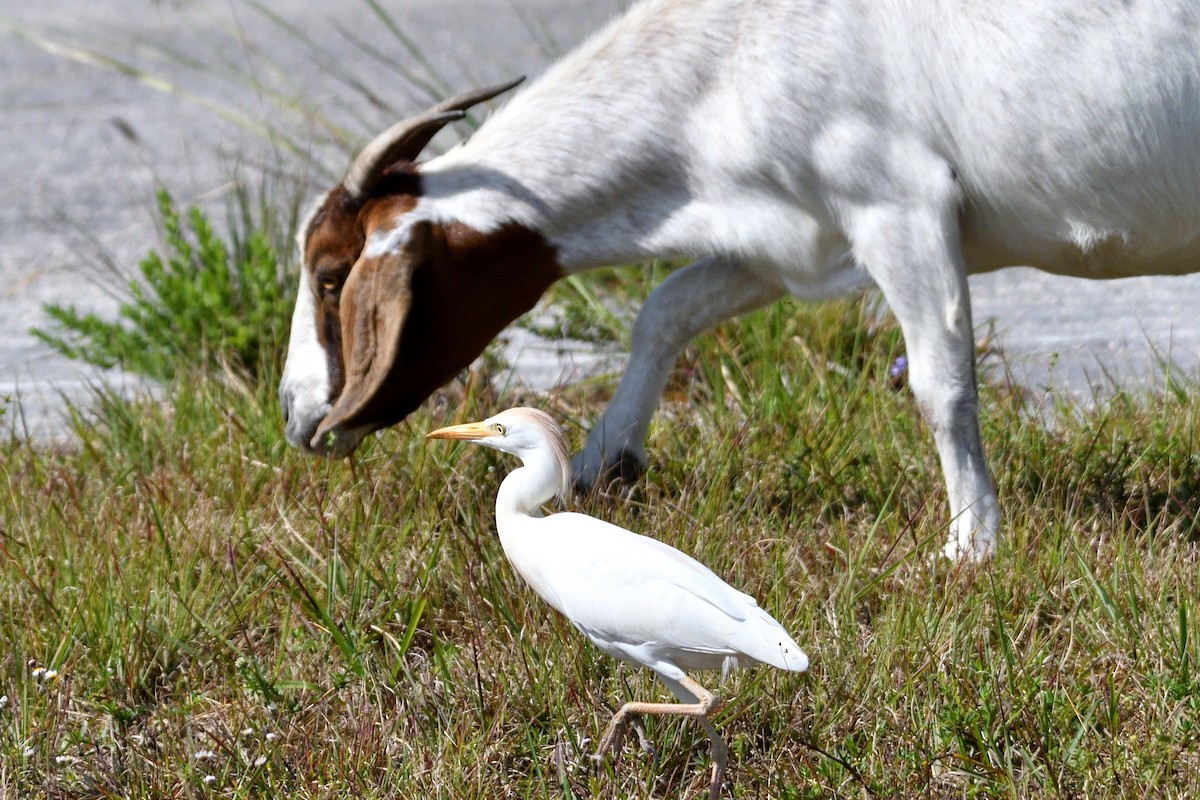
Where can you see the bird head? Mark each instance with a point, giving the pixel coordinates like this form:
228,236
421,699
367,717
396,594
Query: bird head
527,433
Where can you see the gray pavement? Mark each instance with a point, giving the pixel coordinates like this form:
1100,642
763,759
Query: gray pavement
83,147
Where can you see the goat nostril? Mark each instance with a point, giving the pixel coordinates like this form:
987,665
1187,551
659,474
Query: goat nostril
285,404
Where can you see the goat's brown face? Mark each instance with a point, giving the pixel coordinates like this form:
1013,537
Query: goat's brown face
399,306
372,333
332,246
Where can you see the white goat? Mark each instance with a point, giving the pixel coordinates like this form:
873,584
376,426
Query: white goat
797,147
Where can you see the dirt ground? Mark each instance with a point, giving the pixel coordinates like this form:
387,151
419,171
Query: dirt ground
82,148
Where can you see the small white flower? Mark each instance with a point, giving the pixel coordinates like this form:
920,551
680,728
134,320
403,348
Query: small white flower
50,674
38,672
272,736
204,755
247,731
209,779
258,762
3,700
62,759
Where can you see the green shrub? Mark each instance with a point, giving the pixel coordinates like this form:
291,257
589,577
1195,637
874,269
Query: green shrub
204,304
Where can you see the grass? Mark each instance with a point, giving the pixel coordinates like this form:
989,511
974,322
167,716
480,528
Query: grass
190,608
208,302
227,618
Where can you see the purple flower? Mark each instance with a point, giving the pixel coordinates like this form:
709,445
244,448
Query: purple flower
899,366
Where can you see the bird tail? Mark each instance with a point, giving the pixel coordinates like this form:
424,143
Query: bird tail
764,639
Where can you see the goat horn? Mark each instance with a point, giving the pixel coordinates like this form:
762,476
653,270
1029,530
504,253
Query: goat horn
406,139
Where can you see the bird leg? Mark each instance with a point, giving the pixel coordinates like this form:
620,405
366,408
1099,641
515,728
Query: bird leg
720,756
705,703
644,740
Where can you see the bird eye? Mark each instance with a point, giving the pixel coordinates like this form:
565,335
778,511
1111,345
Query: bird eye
498,428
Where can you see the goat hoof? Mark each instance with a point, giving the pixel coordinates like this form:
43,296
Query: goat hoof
975,550
626,468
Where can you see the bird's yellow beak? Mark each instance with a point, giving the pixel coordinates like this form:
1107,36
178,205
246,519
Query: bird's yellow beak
469,431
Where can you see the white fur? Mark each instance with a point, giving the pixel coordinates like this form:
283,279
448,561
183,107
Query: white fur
810,147
389,240
304,388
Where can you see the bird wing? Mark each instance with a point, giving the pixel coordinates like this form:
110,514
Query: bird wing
619,586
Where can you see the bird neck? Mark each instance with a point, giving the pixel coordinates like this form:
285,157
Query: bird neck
526,488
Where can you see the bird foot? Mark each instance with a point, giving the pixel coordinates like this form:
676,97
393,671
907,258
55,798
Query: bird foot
716,782
611,741
644,740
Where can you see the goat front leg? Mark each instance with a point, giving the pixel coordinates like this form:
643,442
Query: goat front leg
912,251
689,301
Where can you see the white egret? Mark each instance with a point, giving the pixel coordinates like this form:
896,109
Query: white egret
636,598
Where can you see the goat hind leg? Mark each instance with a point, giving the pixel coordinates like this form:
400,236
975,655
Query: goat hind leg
691,300
913,253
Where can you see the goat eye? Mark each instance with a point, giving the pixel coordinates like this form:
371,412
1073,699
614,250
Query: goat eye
329,283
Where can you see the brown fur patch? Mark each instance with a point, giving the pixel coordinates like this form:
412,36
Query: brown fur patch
332,245
466,287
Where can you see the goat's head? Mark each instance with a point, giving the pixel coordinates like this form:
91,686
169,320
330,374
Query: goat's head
391,305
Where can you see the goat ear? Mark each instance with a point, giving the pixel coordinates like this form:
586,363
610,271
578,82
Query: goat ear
375,302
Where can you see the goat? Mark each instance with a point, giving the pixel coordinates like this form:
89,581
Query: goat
803,148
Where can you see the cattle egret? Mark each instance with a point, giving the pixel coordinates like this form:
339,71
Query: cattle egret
636,598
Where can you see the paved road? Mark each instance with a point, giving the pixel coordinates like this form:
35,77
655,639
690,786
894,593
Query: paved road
82,148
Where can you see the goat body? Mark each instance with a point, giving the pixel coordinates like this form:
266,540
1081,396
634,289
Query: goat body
803,148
